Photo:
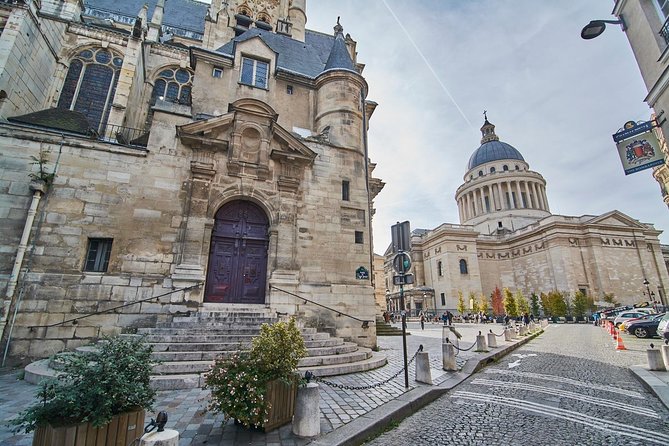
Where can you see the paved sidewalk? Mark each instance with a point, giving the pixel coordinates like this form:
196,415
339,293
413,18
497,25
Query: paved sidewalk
346,415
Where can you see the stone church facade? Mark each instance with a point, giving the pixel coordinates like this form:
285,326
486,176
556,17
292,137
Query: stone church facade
212,155
508,238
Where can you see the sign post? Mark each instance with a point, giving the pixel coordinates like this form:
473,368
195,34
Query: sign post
401,240
638,146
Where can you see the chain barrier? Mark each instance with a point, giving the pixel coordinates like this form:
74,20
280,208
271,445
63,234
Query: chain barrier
464,349
310,375
498,335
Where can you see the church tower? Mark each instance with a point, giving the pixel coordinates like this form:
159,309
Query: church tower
500,193
227,19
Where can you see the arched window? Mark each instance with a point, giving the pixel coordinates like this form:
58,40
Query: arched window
90,85
517,168
480,173
463,266
505,168
264,17
173,85
492,170
440,268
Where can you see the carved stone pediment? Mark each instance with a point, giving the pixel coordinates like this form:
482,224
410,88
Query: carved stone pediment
250,135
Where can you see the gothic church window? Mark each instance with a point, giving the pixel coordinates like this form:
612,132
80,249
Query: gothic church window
90,85
254,72
173,85
463,266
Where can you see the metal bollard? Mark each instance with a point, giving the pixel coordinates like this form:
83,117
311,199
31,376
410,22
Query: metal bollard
423,372
306,421
492,341
655,361
448,353
480,343
508,335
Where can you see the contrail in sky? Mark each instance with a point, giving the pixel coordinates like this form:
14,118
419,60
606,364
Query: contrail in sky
434,73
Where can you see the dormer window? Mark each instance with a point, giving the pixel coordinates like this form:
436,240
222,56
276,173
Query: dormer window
492,170
505,168
254,73
480,173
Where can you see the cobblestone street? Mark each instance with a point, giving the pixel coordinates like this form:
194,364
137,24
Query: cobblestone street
569,386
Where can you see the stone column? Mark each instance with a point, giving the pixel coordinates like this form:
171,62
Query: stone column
512,201
528,196
519,195
536,196
543,192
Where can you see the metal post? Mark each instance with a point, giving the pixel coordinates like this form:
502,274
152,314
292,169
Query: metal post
404,335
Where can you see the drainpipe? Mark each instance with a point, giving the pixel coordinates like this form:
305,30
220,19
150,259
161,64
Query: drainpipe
38,189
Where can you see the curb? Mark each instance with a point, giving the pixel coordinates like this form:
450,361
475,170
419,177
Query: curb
652,383
377,420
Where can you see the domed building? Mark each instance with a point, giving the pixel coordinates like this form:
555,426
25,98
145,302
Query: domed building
508,238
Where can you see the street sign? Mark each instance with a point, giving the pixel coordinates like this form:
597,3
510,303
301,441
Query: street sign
404,279
401,236
402,262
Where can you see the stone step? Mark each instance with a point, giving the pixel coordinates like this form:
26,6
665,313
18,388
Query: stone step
346,347
177,382
199,346
164,333
375,361
197,338
182,367
314,361
331,342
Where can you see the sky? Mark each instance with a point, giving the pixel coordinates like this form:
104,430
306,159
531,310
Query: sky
434,66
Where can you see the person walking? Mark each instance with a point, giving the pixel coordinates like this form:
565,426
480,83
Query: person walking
422,321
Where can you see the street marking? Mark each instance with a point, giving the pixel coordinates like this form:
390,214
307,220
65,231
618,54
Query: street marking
572,395
575,417
573,382
521,356
514,364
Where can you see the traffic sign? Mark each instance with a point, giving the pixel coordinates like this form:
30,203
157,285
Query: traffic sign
402,262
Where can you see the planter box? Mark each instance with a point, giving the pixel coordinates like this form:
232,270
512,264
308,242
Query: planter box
282,399
123,429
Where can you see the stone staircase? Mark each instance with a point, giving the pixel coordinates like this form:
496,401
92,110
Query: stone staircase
385,329
187,347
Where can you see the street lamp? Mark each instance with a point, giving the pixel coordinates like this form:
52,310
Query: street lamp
645,282
596,27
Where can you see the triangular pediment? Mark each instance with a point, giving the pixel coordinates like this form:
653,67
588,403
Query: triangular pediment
205,133
616,218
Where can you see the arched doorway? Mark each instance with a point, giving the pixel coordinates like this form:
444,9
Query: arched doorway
237,269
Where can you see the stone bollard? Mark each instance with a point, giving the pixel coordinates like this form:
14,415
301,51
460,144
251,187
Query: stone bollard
665,354
523,330
307,419
508,335
423,373
655,362
492,341
480,343
168,437
448,351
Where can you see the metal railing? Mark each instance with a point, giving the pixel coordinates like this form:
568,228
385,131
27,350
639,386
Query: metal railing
664,31
76,319
365,323
126,136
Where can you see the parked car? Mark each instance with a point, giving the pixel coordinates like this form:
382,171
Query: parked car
644,327
663,327
645,317
627,315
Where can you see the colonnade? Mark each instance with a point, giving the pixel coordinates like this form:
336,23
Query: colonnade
501,195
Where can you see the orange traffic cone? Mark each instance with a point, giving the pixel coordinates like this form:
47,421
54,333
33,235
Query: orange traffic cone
620,345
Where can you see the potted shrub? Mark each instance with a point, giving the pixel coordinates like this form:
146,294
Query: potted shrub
257,388
99,398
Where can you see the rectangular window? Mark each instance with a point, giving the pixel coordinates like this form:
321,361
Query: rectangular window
217,72
443,299
662,8
97,256
289,89
359,238
345,190
254,72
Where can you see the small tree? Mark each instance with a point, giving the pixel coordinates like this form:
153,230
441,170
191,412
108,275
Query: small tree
557,304
611,299
461,303
484,305
497,301
521,303
580,304
473,302
534,304
510,303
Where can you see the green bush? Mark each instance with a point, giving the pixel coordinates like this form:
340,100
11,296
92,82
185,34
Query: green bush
94,387
238,384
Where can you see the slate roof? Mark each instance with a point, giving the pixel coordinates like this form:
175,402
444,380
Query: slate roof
309,58
494,151
58,119
188,14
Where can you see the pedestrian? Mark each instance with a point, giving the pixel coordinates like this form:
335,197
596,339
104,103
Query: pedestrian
444,317
422,321
507,319
526,319
449,316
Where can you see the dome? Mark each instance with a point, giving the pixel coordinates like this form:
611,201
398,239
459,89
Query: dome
494,151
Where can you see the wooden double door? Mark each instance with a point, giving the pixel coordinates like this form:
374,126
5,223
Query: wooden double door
237,271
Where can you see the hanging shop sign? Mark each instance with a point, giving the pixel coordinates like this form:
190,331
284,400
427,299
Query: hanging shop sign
638,147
